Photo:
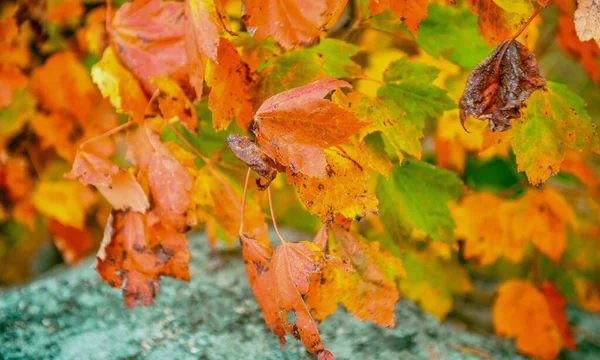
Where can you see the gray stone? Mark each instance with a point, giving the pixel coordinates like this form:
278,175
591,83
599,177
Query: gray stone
71,314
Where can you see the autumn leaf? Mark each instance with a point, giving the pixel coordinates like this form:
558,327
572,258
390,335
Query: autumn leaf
557,303
497,87
522,312
118,85
148,37
431,282
368,289
415,199
257,257
116,184
294,266
14,116
485,223
135,253
229,80
329,58
554,121
173,102
73,90
291,23
544,217
295,126
344,190
72,243
409,12
586,52
587,20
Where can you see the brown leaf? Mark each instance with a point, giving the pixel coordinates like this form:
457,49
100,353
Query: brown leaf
497,87
134,255
35,12
256,159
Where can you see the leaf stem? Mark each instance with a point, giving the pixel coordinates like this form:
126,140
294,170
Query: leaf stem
243,206
535,13
108,133
273,217
187,143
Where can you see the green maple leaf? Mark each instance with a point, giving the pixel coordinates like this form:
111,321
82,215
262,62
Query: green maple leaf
415,199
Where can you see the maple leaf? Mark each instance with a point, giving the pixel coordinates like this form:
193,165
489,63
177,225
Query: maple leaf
521,311
294,127
329,58
256,159
72,243
587,20
409,85
543,217
65,201
117,185
411,13
557,303
554,121
293,22
368,290
344,190
135,253
229,97
10,82
500,19
431,282
148,37
414,200
450,31
586,52
73,90
485,223
118,85
294,266
172,102
205,19
497,87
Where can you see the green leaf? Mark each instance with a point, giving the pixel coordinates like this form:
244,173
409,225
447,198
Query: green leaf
330,57
408,71
415,199
451,32
554,120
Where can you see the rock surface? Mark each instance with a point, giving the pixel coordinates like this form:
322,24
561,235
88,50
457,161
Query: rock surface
71,314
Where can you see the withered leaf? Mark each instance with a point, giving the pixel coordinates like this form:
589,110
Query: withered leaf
253,156
134,255
498,86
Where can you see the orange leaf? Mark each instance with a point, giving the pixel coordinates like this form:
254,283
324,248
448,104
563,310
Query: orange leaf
117,185
294,266
148,37
229,80
72,243
368,289
291,22
62,83
522,312
134,255
172,102
294,127
587,20
410,12
10,81
257,257
556,303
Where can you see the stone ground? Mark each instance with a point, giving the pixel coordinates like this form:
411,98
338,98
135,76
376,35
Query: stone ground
70,314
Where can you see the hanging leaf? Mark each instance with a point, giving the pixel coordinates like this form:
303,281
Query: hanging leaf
587,20
498,86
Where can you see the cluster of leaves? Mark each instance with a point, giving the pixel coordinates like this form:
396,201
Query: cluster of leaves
357,107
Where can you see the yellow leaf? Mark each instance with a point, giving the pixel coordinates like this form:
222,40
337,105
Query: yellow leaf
64,201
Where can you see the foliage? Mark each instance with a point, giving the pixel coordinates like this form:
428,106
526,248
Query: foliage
349,114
